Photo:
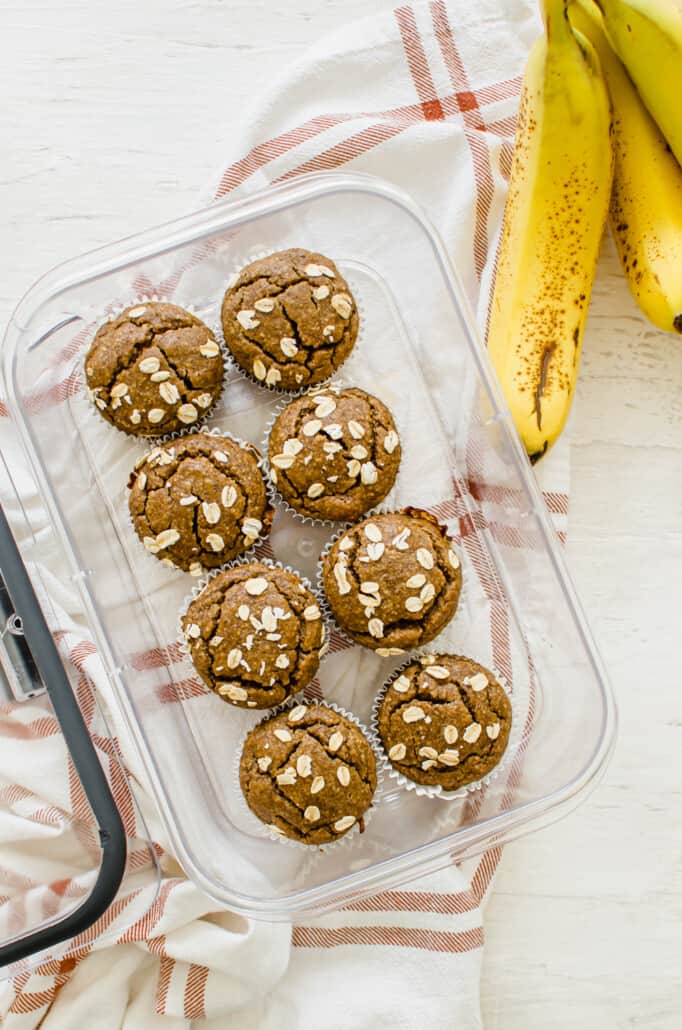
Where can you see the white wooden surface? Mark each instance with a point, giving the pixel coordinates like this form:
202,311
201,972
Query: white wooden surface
109,123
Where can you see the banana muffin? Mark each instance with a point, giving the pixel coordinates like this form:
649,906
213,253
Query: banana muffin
154,370
393,581
199,501
334,453
290,319
444,721
309,773
255,634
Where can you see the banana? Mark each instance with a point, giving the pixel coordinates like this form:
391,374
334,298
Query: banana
646,196
554,219
647,36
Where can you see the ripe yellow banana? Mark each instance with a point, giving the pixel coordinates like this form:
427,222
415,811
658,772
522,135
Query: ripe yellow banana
647,36
554,219
646,197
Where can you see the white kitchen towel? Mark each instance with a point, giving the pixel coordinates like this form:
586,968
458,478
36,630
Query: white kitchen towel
424,96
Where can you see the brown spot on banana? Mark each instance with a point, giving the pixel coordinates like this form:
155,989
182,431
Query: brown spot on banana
677,323
542,382
534,458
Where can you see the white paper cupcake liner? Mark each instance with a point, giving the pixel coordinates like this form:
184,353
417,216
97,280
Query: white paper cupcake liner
217,434
111,313
383,509
239,371
335,385
202,583
424,790
262,829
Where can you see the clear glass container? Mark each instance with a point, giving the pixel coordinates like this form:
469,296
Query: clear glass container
420,352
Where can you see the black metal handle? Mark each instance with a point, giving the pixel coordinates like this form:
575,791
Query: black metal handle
111,832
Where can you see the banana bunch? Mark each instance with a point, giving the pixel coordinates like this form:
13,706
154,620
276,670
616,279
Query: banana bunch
567,174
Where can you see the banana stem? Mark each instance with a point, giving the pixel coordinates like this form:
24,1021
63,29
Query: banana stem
555,17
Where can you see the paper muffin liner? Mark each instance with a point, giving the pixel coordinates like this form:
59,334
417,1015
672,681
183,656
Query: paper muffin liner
202,583
217,434
336,384
262,828
110,315
424,790
383,509
239,371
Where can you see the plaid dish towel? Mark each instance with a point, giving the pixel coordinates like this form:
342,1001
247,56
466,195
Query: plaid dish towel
425,96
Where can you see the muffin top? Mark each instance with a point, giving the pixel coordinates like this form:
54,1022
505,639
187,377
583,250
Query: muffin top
309,773
334,453
254,634
445,721
393,580
290,319
199,501
156,369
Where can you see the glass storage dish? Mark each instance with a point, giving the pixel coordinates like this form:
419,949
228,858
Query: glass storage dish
419,351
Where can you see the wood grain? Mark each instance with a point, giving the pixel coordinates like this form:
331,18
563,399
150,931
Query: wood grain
111,121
